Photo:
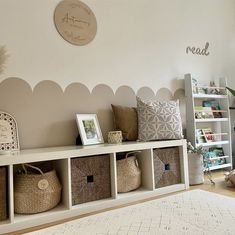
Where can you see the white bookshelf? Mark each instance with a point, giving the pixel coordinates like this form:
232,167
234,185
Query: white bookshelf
61,159
221,128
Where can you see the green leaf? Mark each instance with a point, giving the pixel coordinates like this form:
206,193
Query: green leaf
231,90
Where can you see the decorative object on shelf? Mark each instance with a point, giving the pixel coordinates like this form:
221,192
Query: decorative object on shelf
90,178
126,120
213,89
230,178
128,173
114,137
34,193
75,22
89,129
158,120
3,58
166,166
3,194
9,139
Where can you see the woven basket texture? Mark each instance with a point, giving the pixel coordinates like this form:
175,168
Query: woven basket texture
3,194
128,174
166,166
29,198
90,178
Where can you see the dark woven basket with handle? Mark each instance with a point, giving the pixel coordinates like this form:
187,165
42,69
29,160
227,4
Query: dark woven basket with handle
3,194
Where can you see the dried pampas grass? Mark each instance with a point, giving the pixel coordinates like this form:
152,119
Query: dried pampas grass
3,58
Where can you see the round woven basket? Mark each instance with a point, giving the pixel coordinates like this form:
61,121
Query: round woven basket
34,193
128,174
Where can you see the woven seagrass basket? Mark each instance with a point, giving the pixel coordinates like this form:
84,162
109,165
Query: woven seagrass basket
166,166
128,173
34,193
90,178
3,194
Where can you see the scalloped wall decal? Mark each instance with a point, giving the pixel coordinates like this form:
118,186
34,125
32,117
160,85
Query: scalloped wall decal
46,114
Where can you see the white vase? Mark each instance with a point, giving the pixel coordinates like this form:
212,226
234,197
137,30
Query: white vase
195,168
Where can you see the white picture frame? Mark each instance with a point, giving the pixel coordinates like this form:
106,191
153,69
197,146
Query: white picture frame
89,129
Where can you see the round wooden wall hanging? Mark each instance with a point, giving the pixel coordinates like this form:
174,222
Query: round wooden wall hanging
75,22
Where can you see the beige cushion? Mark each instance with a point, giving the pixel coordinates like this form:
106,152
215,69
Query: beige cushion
125,119
158,120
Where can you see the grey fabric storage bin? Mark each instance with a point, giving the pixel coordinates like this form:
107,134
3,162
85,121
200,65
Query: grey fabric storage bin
90,178
166,166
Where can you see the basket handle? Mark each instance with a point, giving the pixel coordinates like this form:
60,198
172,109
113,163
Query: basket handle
133,152
33,167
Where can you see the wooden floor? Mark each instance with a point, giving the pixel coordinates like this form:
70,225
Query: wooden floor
219,187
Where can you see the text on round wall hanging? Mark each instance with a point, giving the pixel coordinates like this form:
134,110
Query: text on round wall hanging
75,22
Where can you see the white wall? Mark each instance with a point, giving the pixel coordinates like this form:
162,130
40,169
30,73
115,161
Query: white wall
138,43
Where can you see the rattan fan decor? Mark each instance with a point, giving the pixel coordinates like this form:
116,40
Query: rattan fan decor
9,139
3,58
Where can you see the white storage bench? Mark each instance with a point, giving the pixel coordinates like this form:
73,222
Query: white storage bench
61,159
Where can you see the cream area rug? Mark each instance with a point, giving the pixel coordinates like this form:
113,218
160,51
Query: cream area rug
192,212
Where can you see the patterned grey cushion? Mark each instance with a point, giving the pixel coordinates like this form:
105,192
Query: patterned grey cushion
158,120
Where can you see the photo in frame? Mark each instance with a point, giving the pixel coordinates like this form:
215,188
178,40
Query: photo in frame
89,129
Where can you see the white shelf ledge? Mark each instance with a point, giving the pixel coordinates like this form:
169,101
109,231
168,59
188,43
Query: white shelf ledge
220,166
205,96
212,120
215,158
223,142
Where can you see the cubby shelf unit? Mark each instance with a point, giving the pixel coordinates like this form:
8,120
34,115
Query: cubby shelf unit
61,158
220,127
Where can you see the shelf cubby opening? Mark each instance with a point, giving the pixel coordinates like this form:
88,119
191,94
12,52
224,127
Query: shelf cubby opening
167,167
42,183
90,178
143,163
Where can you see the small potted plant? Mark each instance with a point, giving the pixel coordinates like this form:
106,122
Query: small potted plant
197,165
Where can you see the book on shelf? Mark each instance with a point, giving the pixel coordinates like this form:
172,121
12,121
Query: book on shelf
214,156
208,134
203,112
200,138
214,105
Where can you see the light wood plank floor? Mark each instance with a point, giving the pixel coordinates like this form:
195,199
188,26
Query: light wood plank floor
219,187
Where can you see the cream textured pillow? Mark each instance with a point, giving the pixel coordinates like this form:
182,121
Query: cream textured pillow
158,120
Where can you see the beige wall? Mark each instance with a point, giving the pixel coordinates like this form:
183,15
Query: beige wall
139,49
46,115
138,43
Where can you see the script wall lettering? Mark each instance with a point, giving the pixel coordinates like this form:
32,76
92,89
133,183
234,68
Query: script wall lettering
198,50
